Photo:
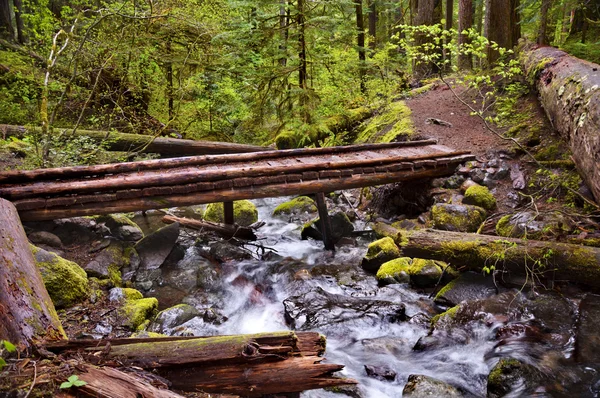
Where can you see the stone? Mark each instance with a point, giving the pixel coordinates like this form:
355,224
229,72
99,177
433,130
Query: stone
468,286
45,238
459,218
121,227
296,206
75,230
65,281
419,386
382,373
528,224
172,317
245,213
477,175
318,308
467,184
154,248
420,272
108,262
134,309
478,195
510,376
379,252
587,338
453,182
223,251
341,226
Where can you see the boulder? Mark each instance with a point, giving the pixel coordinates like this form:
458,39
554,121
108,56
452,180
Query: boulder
587,339
419,386
383,230
479,196
45,238
223,251
510,376
170,318
341,227
65,281
108,262
296,206
382,373
244,213
121,227
420,272
154,248
379,252
134,309
459,218
468,286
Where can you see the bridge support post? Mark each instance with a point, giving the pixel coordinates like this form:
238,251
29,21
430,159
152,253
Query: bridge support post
228,213
325,222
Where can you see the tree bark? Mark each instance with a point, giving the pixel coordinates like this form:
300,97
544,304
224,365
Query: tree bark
360,43
553,260
448,26
19,21
498,26
6,27
27,315
243,365
542,32
429,12
114,141
567,88
465,22
372,24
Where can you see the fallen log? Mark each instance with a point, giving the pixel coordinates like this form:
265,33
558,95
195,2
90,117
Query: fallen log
27,315
569,91
553,260
225,230
246,365
126,142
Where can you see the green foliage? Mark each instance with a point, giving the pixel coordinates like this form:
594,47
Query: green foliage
72,381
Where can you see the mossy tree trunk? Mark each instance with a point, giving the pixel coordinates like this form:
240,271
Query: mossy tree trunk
568,91
552,260
27,315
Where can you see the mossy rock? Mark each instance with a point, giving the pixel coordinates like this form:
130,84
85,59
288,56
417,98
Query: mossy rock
459,218
244,213
533,226
383,230
510,374
419,386
421,272
479,196
172,317
121,227
66,282
467,287
288,140
389,125
301,204
379,252
135,309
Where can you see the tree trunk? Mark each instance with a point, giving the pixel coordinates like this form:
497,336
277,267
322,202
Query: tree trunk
449,22
542,33
465,22
283,27
246,365
372,24
360,43
27,315
169,76
572,103
498,26
552,260
7,30
479,16
302,69
19,21
126,142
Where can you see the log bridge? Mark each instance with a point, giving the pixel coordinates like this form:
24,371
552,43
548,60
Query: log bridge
47,194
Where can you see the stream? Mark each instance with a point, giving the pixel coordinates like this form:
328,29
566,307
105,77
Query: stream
381,334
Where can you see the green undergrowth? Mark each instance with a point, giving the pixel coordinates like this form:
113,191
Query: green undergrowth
392,123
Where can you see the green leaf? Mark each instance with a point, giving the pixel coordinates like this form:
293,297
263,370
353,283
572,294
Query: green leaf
66,384
10,347
79,383
2,363
73,378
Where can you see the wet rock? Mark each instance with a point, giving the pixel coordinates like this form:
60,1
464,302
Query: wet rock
45,238
223,251
296,206
245,213
379,252
587,339
172,317
419,386
555,315
346,391
341,226
121,227
134,309
107,263
533,226
420,272
460,218
513,377
65,281
382,373
318,308
468,286
477,175
154,248
479,196
394,271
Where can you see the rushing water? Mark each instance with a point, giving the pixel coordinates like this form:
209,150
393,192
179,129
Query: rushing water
250,293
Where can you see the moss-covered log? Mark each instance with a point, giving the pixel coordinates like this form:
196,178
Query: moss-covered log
569,90
124,142
246,365
27,315
553,260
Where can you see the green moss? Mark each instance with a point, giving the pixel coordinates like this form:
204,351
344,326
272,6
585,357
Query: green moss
138,310
384,245
297,205
114,275
65,281
288,140
469,220
503,226
132,294
448,314
393,268
147,335
549,152
422,90
480,196
391,123
244,213
504,366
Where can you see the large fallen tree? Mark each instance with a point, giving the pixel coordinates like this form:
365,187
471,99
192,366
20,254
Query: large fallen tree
125,142
553,260
569,90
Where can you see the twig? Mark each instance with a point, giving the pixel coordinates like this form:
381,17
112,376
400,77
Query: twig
33,382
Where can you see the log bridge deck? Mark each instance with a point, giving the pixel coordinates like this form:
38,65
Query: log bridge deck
47,194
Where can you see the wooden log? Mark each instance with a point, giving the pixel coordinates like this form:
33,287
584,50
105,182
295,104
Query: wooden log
126,142
27,314
164,164
107,382
190,175
226,231
228,212
255,192
554,260
243,365
568,91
